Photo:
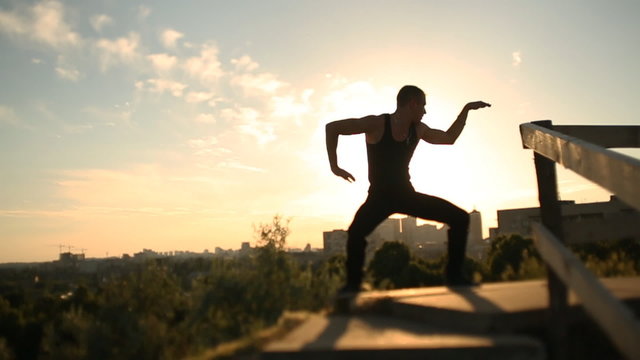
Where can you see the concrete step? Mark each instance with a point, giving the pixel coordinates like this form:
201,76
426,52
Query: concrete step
368,336
496,308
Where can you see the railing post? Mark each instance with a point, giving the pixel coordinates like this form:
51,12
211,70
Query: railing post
551,216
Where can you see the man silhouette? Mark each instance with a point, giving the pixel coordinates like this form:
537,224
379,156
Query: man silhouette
391,140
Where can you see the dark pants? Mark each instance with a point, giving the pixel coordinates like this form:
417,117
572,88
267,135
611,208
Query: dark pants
380,204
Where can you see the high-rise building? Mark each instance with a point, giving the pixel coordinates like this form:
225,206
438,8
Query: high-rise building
475,227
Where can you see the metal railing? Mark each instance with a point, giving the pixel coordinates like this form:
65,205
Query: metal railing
582,149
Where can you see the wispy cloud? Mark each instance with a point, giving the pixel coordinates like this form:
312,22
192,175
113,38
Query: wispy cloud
289,106
68,73
120,50
162,62
240,166
98,22
205,118
43,22
244,63
206,67
257,84
8,116
516,58
203,146
113,116
143,12
170,37
160,85
195,97
248,121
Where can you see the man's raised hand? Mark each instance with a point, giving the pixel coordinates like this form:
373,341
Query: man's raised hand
477,105
343,174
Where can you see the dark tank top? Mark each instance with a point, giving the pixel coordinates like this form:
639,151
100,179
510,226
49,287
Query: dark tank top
389,160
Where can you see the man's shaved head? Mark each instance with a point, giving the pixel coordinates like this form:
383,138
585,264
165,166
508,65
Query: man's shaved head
408,93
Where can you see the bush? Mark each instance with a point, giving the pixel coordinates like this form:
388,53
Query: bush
162,308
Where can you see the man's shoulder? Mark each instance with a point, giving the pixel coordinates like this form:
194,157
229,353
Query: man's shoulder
375,117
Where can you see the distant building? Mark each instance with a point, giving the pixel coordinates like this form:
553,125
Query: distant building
245,247
426,240
475,227
587,222
334,242
476,245
67,258
145,254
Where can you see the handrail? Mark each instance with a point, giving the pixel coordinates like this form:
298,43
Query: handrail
614,317
582,149
607,136
614,171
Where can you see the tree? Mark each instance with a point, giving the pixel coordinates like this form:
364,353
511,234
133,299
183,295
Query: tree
273,235
390,262
507,254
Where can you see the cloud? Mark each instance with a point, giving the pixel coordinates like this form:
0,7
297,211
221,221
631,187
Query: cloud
43,22
195,97
36,61
98,22
170,37
144,11
123,49
112,116
205,118
252,83
257,84
516,58
8,116
206,67
248,122
70,74
289,107
231,164
66,71
159,85
244,63
203,146
162,62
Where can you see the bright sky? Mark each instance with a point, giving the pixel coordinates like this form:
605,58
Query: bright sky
177,125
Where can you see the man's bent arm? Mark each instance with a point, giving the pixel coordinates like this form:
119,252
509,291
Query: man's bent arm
456,128
343,127
332,144
450,136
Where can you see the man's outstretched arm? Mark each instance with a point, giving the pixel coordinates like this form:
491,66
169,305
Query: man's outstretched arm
450,136
343,127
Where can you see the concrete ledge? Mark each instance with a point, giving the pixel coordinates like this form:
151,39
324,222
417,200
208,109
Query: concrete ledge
499,307
380,337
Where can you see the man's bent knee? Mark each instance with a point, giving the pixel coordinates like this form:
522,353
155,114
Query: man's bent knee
356,238
461,220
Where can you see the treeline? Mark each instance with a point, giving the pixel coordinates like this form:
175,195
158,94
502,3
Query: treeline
509,258
168,309
160,309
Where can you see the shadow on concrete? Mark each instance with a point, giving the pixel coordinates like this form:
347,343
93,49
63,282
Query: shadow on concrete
478,302
334,330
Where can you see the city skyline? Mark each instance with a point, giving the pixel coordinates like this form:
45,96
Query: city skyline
126,126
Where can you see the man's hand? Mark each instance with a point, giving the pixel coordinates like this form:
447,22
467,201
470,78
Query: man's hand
343,174
476,105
